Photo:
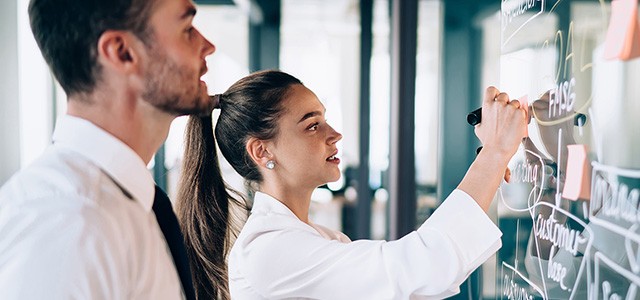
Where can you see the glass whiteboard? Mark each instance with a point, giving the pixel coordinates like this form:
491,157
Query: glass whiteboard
570,214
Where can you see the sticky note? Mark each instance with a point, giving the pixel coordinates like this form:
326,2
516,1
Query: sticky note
623,35
577,184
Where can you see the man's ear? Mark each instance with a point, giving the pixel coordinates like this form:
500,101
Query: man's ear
258,152
116,48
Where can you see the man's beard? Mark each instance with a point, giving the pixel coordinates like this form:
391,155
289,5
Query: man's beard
167,87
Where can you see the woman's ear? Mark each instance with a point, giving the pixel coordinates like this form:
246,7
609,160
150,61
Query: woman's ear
258,152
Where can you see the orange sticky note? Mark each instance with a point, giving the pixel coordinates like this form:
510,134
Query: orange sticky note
577,182
524,103
623,36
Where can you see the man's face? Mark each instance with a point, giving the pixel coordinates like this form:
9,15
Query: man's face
176,60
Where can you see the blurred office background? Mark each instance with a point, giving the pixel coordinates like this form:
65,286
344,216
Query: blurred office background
397,79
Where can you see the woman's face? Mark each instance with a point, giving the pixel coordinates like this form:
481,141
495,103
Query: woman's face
305,150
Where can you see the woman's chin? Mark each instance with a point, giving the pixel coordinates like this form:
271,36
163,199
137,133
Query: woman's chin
334,178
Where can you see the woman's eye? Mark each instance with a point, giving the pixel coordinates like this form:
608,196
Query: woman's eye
313,127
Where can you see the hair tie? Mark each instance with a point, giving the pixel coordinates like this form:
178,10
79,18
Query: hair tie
216,100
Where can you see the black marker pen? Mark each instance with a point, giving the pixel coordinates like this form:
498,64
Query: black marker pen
474,117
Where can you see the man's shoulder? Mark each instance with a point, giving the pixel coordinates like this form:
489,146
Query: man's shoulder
62,185
64,203
55,174
56,190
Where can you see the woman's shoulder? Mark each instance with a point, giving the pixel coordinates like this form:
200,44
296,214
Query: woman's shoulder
331,234
266,228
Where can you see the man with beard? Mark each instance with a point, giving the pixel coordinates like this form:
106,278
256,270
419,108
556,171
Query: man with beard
81,221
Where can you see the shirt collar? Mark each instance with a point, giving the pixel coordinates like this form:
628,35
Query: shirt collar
264,203
110,154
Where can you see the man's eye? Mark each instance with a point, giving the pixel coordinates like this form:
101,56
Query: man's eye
190,30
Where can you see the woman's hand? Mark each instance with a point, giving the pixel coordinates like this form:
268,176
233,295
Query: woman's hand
503,126
504,123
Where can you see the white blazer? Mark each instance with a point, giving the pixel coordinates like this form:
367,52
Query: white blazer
277,256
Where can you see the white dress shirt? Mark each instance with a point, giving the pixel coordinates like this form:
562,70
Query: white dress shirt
277,256
78,223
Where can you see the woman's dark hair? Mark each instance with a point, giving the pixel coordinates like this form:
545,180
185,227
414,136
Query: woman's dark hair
249,108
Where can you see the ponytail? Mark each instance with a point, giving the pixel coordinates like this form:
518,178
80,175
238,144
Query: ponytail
203,211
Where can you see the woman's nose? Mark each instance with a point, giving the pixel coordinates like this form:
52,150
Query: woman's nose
334,137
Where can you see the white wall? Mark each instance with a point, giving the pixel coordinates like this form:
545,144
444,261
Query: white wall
36,90
9,104
26,92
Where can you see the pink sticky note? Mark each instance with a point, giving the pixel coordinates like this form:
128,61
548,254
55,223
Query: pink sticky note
578,174
623,36
524,103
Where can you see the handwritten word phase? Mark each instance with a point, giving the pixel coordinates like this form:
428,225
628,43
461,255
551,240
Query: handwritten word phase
562,98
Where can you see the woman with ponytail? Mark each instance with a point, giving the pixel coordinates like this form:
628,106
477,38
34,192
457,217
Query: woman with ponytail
204,202
273,132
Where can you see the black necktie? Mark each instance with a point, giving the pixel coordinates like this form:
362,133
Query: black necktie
171,230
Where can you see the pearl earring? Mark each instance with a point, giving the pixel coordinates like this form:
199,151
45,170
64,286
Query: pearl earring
271,164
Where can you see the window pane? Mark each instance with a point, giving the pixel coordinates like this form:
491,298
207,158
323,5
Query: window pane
427,105
320,46
227,27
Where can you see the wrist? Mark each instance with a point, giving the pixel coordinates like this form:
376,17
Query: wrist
494,155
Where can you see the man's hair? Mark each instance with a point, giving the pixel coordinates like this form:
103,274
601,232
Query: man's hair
67,32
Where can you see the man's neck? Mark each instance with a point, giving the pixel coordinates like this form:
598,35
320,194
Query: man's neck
141,127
